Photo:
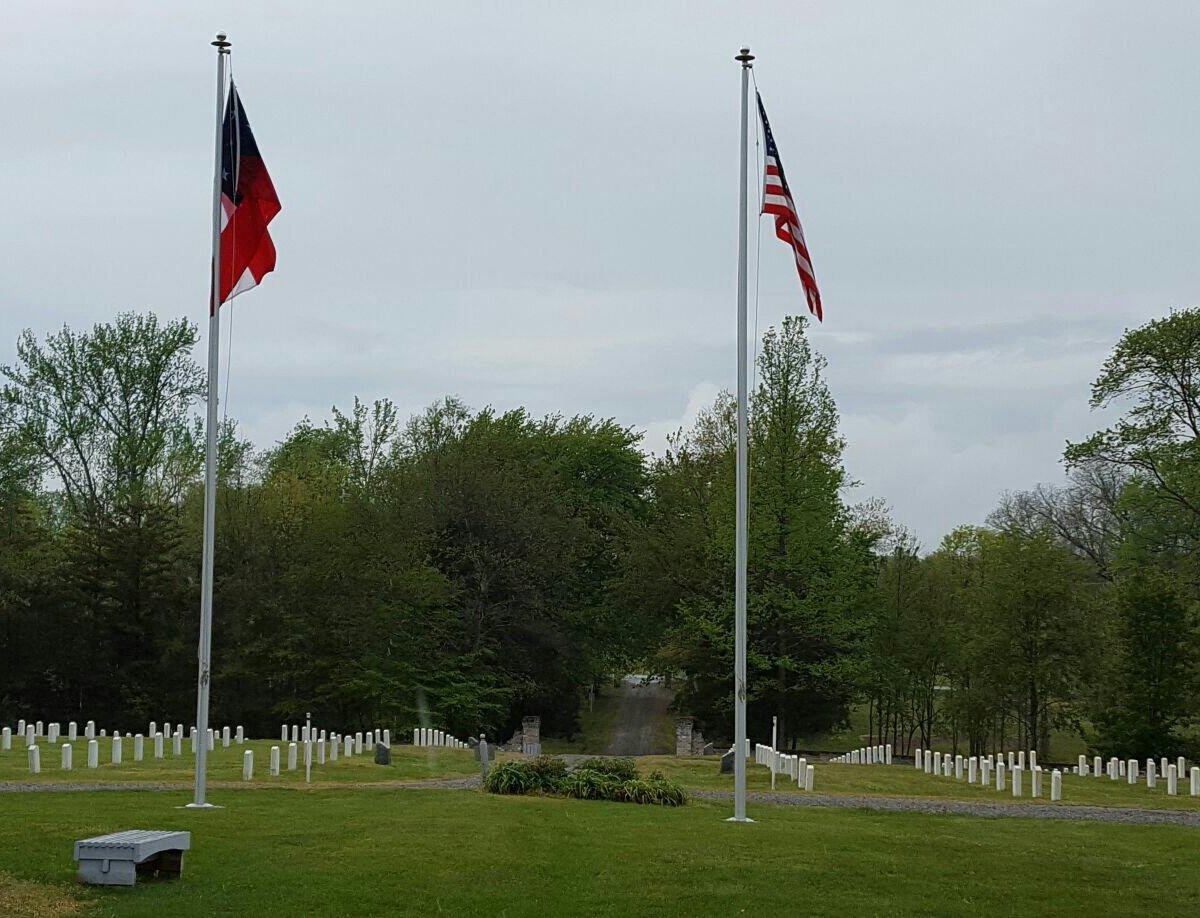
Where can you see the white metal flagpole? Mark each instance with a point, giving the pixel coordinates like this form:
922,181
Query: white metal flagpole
210,452
739,649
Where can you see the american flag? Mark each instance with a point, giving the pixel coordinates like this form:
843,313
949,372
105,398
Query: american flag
777,201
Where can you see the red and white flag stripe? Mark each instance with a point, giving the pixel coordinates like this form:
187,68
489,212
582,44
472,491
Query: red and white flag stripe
778,202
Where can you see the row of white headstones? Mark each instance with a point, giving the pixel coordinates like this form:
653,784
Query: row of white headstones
325,745
982,767
781,763
52,733
979,769
867,755
424,736
1116,769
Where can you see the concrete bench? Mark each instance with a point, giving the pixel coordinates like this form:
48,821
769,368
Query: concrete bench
117,859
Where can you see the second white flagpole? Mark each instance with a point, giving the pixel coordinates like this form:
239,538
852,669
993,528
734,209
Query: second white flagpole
739,627
204,679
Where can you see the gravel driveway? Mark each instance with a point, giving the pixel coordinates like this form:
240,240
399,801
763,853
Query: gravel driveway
643,706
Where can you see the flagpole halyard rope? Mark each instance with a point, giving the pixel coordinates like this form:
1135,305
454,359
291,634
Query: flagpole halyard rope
232,261
757,244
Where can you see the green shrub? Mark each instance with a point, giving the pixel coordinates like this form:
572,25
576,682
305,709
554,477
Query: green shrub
659,791
550,772
511,778
621,769
598,779
589,784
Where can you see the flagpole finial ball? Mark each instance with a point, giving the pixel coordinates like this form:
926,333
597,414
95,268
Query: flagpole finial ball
221,44
745,57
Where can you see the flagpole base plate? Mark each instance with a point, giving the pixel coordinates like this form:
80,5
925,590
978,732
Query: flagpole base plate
200,806
739,819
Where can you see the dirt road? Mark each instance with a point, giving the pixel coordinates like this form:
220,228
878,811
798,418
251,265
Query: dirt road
638,726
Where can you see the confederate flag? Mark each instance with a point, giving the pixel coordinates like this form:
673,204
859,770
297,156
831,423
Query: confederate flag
248,204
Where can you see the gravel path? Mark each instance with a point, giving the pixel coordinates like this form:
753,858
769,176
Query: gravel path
965,808
24,787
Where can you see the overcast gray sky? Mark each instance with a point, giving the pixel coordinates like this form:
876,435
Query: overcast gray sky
535,204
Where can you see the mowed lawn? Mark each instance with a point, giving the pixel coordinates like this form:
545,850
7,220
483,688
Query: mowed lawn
906,781
416,764
375,851
225,765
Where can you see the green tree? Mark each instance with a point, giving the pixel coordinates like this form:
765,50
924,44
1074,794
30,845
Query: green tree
109,413
811,569
1147,706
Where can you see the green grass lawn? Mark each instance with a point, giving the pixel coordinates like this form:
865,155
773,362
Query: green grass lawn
225,765
416,764
372,851
906,781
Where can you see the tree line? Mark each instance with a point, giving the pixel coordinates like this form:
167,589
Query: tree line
468,566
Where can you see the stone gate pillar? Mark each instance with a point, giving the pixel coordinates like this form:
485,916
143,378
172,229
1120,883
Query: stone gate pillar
531,735
683,735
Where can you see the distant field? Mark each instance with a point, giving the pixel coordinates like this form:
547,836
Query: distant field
371,851
1064,746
